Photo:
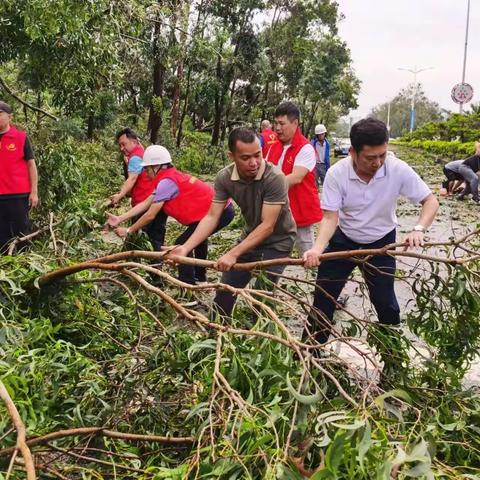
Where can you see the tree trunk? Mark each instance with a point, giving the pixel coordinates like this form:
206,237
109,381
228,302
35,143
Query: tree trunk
185,108
219,102
39,105
184,8
90,126
311,118
155,116
229,109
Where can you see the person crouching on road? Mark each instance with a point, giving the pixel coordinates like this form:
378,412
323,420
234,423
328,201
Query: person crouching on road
468,170
180,196
454,179
18,179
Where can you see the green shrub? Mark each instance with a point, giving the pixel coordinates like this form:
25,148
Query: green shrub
198,156
454,150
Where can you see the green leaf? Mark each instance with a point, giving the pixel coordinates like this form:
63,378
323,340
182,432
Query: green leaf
365,444
304,399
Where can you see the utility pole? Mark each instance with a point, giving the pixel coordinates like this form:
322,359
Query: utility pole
388,116
465,50
415,72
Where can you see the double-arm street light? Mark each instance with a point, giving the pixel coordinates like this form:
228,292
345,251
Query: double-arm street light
415,72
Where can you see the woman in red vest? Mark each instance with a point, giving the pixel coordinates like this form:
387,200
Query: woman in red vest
18,179
179,195
138,184
295,156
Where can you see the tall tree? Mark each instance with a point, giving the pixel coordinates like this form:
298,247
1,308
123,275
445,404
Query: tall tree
425,110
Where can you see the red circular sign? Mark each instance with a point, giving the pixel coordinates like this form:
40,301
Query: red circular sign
462,93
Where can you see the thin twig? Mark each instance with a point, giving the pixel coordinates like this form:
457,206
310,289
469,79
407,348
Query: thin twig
23,102
21,433
133,437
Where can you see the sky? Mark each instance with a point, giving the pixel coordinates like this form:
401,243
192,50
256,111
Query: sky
385,35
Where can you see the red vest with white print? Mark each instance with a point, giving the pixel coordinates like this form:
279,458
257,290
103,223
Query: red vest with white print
193,199
269,138
303,197
14,177
143,186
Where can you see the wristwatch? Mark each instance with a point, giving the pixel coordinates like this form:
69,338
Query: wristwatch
419,228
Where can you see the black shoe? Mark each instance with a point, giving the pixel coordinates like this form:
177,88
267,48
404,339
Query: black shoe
476,199
461,197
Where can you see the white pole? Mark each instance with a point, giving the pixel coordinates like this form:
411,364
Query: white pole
415,71
465,50
388,116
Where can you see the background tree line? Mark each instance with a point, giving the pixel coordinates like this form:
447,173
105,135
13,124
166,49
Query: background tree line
171,67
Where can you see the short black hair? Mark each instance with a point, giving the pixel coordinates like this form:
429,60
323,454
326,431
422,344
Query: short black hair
128,132
241,134
289,109
368,131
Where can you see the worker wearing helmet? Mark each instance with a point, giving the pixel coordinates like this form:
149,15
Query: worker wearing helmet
180,196
322,152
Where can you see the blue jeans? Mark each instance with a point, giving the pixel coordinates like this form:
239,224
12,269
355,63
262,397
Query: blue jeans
320,172
471,180
333,275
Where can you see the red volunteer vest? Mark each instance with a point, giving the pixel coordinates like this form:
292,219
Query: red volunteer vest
304,201
269,138
143,186
193,199
14,177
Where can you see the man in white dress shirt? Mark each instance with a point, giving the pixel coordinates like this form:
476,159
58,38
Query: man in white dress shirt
359,200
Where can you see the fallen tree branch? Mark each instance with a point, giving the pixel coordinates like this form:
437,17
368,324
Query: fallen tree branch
17,240
21,434
146,255
133,437
23,102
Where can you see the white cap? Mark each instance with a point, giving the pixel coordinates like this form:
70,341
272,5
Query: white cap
319,129
156,155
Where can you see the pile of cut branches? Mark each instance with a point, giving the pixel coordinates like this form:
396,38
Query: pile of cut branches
107,372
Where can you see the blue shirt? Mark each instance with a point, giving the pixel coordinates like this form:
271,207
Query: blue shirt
135,164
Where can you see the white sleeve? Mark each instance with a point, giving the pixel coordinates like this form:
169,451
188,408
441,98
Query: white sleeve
412,186
332,198
306,157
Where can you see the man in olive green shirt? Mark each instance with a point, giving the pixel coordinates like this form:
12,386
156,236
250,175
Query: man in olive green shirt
261,192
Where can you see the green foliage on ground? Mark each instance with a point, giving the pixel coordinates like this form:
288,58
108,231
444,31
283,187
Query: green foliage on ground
84,354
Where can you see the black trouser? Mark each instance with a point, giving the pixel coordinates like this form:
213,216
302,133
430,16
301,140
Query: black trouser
190,273
156,230
332,276
13,220
451,177
225,301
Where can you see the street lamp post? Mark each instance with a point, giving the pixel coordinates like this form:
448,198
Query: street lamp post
465,50
415,72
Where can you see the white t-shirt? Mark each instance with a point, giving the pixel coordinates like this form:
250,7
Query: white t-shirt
305,157
367,210
320,152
